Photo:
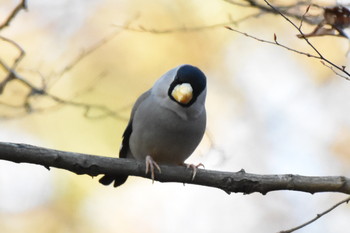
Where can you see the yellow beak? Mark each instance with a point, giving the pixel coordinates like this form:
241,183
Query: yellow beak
182,93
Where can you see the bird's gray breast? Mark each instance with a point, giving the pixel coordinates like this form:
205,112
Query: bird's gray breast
163,134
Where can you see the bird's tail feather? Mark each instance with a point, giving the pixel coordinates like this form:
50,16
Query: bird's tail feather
118,180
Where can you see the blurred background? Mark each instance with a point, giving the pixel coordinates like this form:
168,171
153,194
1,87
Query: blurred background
270,111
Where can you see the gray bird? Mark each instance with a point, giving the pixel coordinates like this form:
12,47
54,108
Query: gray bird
167,122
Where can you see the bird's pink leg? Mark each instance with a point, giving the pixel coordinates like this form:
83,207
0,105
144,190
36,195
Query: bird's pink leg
195,168
150,164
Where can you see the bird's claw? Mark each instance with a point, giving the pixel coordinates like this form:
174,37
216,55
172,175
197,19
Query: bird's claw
150,164
195,168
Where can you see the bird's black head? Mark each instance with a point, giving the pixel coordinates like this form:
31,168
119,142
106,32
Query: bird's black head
190,75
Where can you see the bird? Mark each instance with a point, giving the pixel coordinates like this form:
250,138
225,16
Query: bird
167,122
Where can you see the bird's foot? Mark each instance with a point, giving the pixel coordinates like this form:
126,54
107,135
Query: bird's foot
150,164
195,168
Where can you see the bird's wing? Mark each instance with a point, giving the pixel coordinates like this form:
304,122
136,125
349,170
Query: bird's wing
125,149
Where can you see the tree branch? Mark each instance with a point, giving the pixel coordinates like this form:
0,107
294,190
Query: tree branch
238,182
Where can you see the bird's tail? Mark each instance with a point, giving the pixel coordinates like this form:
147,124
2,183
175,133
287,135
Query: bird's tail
118,180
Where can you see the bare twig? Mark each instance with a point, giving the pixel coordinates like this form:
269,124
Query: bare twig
338,70
275,42
104,111
187,29
303,17
285,9
88,108
263,9
91,111
317,216
10,75
18,47
320,56
86,52
241,181
21,5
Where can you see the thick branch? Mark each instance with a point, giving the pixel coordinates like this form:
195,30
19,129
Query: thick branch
228,181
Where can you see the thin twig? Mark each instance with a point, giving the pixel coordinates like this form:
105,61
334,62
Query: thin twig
303,17
336,72
86,52
275,42
10,76
18,47
105,111
319,56
285,9
317,216
91,111
188,29
88,108
21,5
